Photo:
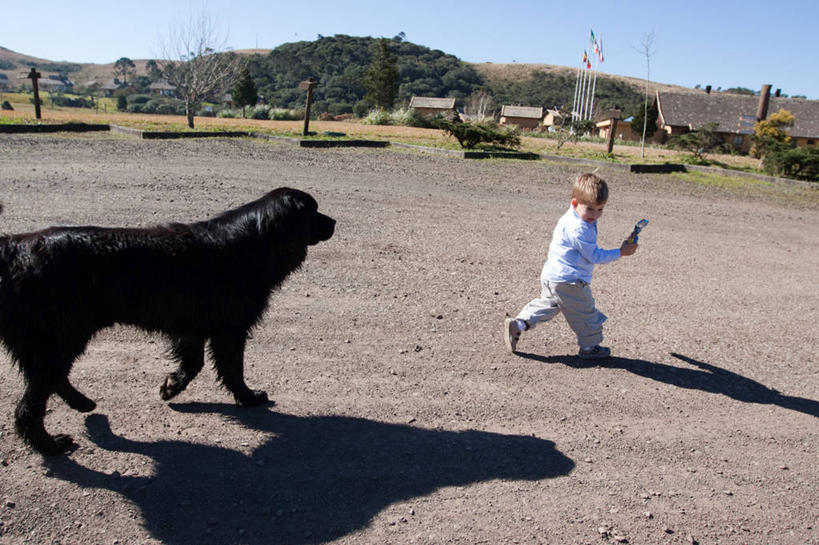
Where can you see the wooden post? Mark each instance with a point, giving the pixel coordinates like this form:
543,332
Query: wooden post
34,75
610,139
307,85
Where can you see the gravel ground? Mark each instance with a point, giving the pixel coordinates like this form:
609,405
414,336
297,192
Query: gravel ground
398,416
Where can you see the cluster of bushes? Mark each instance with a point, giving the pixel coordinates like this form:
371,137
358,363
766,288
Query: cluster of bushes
73,102
150,104
405,117
263,111
792,162
471,133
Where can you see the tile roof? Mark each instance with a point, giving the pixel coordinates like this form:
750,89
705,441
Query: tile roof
432,102
529,112
735,113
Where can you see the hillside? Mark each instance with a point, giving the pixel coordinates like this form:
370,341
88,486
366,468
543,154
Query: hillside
338,63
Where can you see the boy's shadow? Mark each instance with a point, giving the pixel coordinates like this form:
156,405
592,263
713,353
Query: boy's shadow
318,478
707,378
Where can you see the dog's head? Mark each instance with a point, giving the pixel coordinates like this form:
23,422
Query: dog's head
294,215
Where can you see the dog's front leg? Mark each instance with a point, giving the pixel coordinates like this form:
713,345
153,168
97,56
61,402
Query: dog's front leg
228,351
189,353
75,399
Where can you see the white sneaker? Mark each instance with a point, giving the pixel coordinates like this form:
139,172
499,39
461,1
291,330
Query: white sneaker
511,334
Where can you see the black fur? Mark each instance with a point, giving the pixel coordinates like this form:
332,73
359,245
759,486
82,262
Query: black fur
199,282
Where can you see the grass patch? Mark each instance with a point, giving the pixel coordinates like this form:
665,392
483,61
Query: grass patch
799,195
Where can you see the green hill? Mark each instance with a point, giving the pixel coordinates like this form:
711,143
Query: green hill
339,62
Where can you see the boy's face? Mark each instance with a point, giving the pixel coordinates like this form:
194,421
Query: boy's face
588,212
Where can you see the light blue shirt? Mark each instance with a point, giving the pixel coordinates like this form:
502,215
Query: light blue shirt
573,252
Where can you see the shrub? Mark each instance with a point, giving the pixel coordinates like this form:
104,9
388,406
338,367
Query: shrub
73,102
699,142
122,103
360,109
260,112
230,114
409,117
378,117
6,105
799,163
138,99
471,133
278,114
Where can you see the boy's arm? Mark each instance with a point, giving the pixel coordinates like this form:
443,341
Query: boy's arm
587,246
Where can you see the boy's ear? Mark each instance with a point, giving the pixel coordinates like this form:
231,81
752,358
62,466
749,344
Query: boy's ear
574,203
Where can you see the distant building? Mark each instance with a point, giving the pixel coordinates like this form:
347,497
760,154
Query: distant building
55,85
553,118
162,87
736,115
431,106
525,117
622,131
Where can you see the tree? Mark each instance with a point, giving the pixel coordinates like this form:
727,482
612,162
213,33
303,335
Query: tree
649,124
381,78
769,134
199,67
244,92
646,45
124,67
699,142
154,73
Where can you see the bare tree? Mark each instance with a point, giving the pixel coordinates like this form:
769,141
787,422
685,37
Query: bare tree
480,105
646,48
196,62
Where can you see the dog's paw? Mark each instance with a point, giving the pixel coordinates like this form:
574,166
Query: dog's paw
58,444
254,398
83,405
171,387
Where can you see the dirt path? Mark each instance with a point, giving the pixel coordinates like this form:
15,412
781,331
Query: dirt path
398,417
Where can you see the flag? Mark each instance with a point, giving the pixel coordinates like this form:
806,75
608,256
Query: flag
586,60
600,50
592,36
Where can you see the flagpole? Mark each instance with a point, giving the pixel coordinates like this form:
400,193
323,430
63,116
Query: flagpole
594,88
576,89
583,93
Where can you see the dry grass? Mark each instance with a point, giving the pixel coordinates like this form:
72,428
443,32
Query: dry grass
413,135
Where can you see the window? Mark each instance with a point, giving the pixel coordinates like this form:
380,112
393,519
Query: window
738,138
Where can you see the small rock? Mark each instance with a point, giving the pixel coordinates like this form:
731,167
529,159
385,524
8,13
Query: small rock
648,515
727,492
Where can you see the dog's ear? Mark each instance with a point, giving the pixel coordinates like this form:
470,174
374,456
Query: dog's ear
287,218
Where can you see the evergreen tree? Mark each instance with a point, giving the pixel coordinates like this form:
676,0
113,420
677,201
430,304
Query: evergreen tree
244,92
381,79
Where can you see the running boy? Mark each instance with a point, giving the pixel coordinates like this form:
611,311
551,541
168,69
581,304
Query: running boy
567,273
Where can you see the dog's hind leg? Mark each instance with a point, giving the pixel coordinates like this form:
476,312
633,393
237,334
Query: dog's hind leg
228,351
29,415
75,399
189,352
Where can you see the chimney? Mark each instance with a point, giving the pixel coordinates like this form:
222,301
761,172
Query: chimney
764,98
707,89
777,93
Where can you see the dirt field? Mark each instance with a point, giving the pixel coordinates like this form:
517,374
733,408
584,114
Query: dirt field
398,416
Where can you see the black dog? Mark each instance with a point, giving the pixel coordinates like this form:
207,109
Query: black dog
205,281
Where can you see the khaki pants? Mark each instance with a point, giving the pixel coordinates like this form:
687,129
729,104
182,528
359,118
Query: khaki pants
576,303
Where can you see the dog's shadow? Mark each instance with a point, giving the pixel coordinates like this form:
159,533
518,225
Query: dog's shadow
707,378
317,479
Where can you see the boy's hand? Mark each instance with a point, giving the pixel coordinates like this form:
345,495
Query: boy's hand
628,249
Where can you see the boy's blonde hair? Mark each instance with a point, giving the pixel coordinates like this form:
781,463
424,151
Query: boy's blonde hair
590,189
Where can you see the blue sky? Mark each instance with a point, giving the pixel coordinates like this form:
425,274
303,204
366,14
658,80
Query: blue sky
722,43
